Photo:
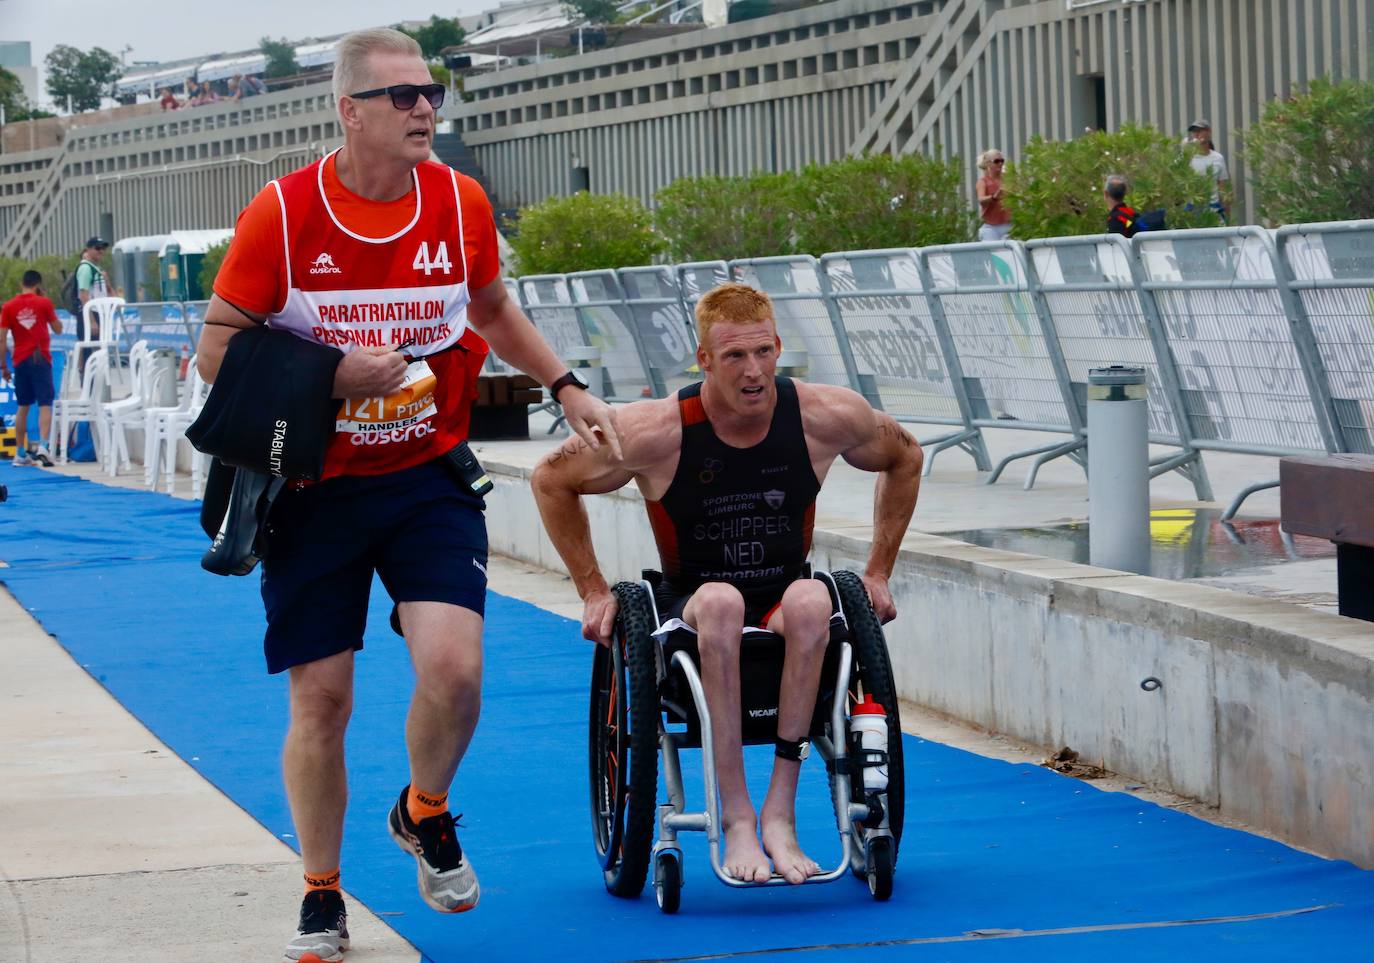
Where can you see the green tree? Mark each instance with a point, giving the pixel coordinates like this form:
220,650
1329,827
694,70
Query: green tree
53,267
879,201
12,97
584,232
281,57
1312,156
81,78
1056,188
706,218
209,266
434,36
593,11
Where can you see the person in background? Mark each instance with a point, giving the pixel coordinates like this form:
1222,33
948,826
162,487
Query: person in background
91,282
1210,161
169,100
245,86
1121,219
996,224
28,319
205,94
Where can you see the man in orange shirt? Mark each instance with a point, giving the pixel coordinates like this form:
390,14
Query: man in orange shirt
28,318
389,257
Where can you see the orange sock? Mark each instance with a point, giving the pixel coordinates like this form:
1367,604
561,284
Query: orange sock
422,805
321,881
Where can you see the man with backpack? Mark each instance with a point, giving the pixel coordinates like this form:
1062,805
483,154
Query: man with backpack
89,280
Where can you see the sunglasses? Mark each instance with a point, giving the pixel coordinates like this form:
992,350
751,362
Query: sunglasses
405,96
1000,160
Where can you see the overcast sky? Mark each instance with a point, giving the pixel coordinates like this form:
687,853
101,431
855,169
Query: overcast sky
174,29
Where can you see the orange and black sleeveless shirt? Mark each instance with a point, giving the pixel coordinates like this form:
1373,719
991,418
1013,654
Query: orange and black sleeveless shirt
738,515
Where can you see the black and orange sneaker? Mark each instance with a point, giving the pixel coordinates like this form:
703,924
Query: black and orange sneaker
322,935
445,877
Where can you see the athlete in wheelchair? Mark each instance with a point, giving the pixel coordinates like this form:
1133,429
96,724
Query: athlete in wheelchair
733,643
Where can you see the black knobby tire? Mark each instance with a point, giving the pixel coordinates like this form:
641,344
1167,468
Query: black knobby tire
668,883
873,667
623,726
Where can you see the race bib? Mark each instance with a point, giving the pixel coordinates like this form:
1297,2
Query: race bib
400,415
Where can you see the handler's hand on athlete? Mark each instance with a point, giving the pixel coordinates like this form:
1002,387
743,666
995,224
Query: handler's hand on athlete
588,415
598,616
881,598
369,373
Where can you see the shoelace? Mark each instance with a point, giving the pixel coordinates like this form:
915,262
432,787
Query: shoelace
441,847
320,913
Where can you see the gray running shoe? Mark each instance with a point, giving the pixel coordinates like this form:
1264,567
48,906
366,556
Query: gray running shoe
23,460
42,456
446,879
322,935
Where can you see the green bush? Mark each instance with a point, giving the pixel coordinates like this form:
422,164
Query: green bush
584,232
1312,156
1056,188
710,218
53,267
209,267
879,201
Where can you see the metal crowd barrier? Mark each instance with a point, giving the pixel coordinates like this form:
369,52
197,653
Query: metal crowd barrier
1253,342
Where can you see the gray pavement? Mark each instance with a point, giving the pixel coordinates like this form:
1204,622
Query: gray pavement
112,847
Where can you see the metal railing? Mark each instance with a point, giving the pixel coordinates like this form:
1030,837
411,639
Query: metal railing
1254,342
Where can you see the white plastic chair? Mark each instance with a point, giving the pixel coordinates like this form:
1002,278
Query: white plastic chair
146,384
163,429
84,406
109,314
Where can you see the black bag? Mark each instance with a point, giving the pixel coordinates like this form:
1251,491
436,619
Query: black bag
270,409
70,297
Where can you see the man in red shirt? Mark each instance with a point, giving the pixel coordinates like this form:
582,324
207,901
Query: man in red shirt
28,318
391,258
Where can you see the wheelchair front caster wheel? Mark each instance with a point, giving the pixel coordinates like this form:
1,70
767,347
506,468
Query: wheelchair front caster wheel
882,859
668,881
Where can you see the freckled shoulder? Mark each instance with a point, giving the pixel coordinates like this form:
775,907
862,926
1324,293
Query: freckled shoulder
650,432
834,416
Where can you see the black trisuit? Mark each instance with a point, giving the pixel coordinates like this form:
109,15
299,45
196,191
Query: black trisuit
737,515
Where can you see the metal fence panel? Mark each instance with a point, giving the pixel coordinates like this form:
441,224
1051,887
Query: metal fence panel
1330,267
1089,291
1243,380
813,345
893,336
606,320
665,327
698,277
548,303
1010,369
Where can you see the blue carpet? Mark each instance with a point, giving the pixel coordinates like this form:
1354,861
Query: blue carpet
989,846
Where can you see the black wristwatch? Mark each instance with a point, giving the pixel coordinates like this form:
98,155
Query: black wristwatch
571,378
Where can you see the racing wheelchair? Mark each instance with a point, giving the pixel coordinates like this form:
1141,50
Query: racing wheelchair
647,703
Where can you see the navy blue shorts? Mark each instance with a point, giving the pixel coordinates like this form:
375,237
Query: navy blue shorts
33,381
423,534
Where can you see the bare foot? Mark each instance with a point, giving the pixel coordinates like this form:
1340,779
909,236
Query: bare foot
743,858
780,841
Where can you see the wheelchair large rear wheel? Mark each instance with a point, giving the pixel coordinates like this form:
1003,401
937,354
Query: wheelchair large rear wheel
873,669
623,744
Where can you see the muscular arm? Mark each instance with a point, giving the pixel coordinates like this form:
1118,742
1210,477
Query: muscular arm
515,339
564,475
873,441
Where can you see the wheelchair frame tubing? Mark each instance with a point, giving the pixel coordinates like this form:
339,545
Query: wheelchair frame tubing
672,818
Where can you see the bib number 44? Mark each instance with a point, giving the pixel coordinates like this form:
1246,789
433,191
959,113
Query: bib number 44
440,261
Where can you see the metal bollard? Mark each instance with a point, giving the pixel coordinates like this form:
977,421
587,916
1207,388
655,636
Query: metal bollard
1118,469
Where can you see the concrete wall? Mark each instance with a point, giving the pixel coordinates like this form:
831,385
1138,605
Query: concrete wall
1266,709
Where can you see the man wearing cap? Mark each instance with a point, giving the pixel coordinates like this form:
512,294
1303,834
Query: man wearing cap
1210,161
91,282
